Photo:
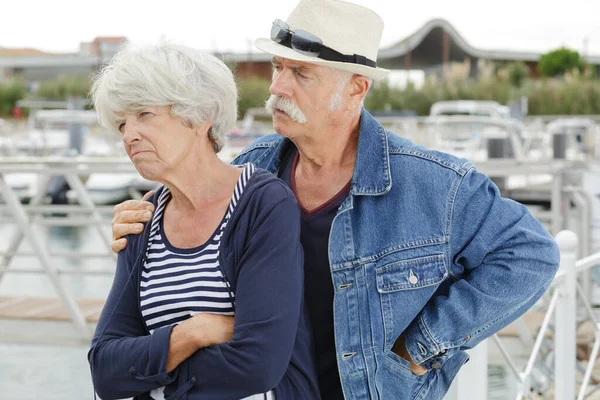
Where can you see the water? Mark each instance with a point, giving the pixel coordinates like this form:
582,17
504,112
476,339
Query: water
61,372
53,372
44,372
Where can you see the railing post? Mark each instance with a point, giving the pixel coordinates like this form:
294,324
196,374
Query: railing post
566,310
471,381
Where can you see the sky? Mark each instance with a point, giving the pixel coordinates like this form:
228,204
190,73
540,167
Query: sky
232,25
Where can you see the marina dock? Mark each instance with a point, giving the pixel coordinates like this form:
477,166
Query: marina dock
66,247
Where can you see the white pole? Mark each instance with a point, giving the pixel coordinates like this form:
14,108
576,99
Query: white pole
471,381
566,309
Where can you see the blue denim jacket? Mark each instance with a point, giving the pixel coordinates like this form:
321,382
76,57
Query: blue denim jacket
424,245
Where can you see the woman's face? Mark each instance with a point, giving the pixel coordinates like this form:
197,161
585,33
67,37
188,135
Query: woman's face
156,142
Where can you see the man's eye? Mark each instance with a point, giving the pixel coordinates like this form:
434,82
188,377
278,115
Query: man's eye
121,127
300,74
144,114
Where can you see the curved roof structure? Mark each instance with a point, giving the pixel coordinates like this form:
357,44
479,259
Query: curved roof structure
425,49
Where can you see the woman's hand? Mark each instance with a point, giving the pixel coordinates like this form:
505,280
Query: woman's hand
210,329
201,330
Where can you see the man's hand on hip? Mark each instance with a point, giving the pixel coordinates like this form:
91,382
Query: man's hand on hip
128,218
400,350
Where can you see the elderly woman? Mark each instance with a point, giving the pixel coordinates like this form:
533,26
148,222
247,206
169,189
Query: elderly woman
208,302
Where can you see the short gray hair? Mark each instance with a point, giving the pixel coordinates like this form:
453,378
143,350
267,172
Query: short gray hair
198,86
342,78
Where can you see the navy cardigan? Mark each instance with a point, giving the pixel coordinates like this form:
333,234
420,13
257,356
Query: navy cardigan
262,259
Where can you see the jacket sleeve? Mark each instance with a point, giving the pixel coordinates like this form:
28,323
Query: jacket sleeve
501,259
268,299
125,360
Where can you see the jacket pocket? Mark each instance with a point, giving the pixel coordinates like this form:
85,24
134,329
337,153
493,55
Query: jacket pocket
411,274
404,287
396,381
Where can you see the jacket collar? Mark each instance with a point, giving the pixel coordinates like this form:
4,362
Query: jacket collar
372,175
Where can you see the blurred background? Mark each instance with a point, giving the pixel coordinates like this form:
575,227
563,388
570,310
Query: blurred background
513,86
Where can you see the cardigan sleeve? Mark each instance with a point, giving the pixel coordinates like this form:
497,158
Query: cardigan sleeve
125,360
269,300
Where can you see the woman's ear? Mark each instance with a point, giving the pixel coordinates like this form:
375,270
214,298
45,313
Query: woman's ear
204,128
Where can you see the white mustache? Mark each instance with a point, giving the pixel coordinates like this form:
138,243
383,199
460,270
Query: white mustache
287,106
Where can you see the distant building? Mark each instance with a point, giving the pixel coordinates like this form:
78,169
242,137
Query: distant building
102,46
34,65
431,49
438,43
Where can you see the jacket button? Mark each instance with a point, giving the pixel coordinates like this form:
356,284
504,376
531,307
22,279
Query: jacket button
193,380
412,278
436,365
132,371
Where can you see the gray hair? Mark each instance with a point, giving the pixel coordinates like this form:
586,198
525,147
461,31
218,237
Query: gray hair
342,79
198,86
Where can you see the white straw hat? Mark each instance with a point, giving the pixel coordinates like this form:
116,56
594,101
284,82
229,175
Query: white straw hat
345,27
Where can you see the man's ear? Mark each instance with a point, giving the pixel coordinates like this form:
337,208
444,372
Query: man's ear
359,86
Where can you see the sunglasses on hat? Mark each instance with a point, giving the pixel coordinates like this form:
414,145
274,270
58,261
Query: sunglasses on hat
310,45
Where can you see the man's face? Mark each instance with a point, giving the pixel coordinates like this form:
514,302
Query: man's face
301,96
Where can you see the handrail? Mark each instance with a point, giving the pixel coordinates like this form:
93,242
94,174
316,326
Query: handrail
566,294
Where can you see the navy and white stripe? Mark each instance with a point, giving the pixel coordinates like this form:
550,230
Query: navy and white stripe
179,283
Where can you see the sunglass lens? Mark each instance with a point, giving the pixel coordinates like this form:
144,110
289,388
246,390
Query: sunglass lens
306,43
279,31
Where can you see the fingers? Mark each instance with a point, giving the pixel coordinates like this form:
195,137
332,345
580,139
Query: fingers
120,230
131,216
147,195
118,245
128,219
133,205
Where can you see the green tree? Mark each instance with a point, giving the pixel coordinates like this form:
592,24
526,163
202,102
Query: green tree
517,73
10,92
63,87
559,61
252,93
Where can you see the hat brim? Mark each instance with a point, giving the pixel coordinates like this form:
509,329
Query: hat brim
269,46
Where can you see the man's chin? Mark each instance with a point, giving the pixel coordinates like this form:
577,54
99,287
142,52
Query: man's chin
284,129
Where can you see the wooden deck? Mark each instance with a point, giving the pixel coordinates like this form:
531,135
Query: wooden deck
53,309
46,308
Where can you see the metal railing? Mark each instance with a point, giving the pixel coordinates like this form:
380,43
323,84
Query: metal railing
85,212
570,306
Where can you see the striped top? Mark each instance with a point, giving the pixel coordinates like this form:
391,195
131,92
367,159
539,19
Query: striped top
179,283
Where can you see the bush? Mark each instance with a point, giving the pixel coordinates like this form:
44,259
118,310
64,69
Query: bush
559,61
574,94
10,92
63,87
517,73
252,93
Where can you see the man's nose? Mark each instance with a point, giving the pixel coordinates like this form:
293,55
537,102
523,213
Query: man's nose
282,83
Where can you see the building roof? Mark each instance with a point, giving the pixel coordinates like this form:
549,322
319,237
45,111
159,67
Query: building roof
109,39
424,45
20,52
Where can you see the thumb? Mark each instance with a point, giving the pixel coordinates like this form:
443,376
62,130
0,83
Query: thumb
147,195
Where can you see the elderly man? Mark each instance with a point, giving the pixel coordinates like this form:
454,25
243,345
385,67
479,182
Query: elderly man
411,255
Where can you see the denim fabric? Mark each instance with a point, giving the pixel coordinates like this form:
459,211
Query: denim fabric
424,245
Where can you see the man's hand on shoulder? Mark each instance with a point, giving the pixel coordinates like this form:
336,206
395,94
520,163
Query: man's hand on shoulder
128,218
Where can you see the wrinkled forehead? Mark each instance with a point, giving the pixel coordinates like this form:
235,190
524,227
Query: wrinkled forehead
300,65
